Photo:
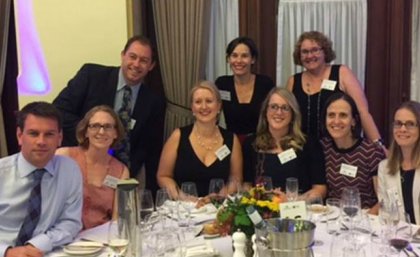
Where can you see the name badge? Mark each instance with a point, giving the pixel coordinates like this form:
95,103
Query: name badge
348,170
222,152
287,156
328,84
225,95
111,181
293,210
132,123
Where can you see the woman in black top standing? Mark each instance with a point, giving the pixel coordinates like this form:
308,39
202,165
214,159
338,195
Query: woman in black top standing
244,91
320,79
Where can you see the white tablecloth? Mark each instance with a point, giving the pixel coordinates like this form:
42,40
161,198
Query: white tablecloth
323,242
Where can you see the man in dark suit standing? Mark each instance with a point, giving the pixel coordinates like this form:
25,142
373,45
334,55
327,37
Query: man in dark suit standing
97,84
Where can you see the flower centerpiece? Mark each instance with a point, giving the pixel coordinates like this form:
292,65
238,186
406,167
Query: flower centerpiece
232,215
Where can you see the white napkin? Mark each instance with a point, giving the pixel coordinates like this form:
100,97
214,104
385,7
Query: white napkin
199,247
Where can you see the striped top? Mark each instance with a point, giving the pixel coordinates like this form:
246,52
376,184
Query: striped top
364,155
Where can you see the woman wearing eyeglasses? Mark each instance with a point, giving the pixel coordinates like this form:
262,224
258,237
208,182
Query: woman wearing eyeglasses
312,87
399,175
97,132
279,149
350,159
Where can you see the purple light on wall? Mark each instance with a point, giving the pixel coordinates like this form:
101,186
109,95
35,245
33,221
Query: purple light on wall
33,76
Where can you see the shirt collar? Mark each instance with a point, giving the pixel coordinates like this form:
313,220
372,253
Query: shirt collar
25,168
122,82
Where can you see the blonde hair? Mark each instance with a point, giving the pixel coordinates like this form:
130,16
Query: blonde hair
395,155
294,139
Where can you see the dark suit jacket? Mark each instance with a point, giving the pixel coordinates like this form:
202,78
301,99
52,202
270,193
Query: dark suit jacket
95,85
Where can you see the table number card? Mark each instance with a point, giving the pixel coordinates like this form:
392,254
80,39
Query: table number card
293,210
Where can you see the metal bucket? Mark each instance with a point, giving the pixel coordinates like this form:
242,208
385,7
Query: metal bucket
294,238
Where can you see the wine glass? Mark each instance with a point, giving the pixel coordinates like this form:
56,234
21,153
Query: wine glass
162,197
350,204
217,191
402,233
265,181
292,189
386,216
235,189
146,203
117,239
188,198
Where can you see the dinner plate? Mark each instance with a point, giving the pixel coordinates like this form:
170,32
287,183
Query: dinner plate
83,248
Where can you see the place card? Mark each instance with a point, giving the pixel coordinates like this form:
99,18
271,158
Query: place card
293,210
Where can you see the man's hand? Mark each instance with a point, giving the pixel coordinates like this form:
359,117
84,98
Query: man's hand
24,251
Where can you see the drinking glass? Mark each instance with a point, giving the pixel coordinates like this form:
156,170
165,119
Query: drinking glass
402,233
188,198
146,203
315,208
235,189
265,181
387,214
162,197
117,240
292,189
217,192
350,204
332,217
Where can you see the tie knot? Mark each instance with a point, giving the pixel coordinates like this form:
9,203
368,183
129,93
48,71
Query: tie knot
38,174
127,89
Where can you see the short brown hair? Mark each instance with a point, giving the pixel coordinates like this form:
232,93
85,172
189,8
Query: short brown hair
143,41
39,109
323,41
82,126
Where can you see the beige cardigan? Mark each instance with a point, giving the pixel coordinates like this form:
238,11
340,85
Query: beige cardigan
388,182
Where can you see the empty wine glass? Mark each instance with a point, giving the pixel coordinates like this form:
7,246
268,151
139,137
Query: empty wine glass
292,189
217,192
188,198
162,197
402,233
117,240
146,203
235,188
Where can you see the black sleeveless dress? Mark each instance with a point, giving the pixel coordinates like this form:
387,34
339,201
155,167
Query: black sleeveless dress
189,168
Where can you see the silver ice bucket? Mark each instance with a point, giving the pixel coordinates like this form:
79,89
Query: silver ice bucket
286,238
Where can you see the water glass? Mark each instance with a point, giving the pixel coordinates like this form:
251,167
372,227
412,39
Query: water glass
117,239
333,216
146,203
292,189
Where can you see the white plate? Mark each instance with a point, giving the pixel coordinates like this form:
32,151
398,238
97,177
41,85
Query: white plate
83,248
332,213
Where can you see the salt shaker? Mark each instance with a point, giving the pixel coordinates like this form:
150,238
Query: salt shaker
239,241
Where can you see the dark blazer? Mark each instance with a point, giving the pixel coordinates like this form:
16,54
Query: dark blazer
95,85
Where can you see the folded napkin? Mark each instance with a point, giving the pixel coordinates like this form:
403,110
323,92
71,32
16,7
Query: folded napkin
199,247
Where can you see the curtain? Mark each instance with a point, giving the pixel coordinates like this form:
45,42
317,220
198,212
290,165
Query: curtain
182,29
415,52
224,27
343,21
4,33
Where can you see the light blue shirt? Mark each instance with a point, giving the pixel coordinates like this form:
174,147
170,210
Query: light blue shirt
61,210
120,93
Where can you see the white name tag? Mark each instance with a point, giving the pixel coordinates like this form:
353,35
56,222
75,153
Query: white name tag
225,95
348,170
222,152
328,84
293,210
111,181
287,155
132,123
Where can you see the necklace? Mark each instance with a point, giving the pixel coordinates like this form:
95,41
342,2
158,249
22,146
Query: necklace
214,140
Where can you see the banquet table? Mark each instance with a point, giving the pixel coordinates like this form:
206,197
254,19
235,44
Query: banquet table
223,245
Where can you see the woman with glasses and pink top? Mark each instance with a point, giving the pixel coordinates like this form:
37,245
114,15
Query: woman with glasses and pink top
320,80
399,175
96,133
